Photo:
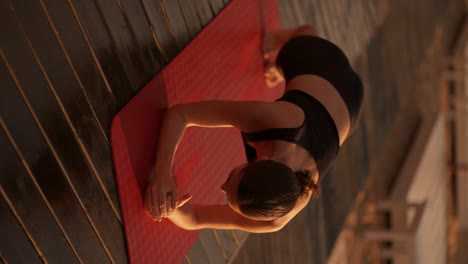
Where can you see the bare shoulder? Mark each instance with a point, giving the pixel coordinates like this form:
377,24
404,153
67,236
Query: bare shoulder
223,217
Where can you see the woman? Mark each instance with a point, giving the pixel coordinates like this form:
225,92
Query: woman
290,143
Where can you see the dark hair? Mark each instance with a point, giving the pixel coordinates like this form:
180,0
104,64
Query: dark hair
269,188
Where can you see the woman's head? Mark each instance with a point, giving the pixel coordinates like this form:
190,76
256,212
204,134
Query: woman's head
266,189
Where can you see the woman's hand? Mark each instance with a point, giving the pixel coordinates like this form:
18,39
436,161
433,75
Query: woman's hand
161,197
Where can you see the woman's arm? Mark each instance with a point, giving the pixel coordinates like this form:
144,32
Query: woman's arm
172,130
161,194
184,217
244,115
223,217
194,217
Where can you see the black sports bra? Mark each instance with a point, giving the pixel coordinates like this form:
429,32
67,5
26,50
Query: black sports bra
317,134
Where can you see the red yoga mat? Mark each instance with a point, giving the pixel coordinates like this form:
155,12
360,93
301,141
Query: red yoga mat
224,61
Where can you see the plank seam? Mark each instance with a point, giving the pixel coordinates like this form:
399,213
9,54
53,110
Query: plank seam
132,31
236,238
111,38
203,249
98,64
59,162
74,131
185,19
239,247
168,22
213,9
74,70
20,221
26,166
3,259
153,33
197,13
220,244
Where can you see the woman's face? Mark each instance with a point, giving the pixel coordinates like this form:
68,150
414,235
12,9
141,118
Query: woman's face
230,188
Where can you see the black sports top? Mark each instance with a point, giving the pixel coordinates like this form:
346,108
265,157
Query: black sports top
317,134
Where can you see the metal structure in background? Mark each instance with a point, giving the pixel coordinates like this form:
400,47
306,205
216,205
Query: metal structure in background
457,76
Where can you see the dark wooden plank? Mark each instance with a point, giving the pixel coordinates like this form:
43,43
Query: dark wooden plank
319,17
92,139
211,247
28,203
204,12
140,27
73,165
77,50
327,19
312,17
226,242
177,22
197,255
216,6
307,10
241,235
190,16
185,260
35,23
47,172
161,28
296,6
127,49
102,48
287,15
15,246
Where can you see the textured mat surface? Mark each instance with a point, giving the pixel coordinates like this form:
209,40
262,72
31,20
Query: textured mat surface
224,61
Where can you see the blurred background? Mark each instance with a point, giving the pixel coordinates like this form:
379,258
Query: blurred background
397,193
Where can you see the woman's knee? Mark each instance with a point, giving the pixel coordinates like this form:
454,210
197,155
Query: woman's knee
306,30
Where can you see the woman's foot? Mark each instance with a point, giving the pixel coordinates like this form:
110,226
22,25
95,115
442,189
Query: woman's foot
272,75
272,42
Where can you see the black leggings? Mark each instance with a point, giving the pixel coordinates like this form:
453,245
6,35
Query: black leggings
308,54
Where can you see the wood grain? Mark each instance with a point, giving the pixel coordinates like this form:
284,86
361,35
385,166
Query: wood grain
19,249
161,28
176,20
32,208
38,112
38,37
101,46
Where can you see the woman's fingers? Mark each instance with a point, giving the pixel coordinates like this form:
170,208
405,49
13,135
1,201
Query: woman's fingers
175,198
161,197
168,204
161,205
151,204
155,207
148,203
184,200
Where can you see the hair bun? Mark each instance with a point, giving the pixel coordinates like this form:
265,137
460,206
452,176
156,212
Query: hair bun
307,183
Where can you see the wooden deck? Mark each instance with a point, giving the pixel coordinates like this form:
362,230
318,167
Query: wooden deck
67,67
